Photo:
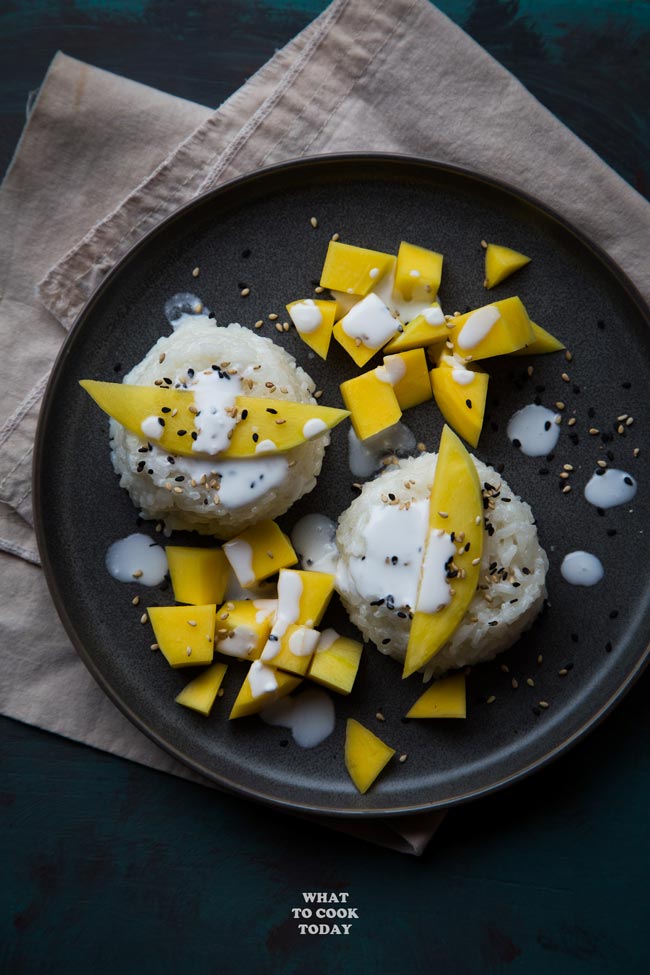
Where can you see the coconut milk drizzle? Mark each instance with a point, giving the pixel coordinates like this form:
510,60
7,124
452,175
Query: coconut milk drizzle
310,716
314,540
137,559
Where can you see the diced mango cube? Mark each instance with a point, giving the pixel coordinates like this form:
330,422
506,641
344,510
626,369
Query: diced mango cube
314,321
460,395
243,627
542,343
408,374
354,270
372,403
293,650
262,686
199,575
501,262
259,552
365,755
336,662
445,698
495,329
201,693
366,328
425,329
316,589
418,271
185,634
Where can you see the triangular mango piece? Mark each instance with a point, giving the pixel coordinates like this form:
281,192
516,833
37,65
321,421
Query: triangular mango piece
445,698
501,262
460,395
279,684
422,331
201,693
264,426
418,271
542,343
314,321
365,755
455,506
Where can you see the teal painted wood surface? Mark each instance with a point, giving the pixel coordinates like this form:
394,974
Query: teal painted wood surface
107,866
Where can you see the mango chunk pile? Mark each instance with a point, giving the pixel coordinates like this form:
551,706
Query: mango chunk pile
276,636
389,303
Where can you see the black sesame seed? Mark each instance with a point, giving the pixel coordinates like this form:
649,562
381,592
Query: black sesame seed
628,480
246,253
468,404
150,470
391,497
394,560
402,615
190,373
611,532
167,380
269,409
516,443
273,638
526,571
516,585
140,467
626,385
608,646
600,472
591,412
171,460
614,614
180,478
547,425
255,437
385,641
244,414
181,433
143,450
166,409
194,435
543,471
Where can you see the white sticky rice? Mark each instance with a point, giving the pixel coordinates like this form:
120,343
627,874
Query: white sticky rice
509,597
198,343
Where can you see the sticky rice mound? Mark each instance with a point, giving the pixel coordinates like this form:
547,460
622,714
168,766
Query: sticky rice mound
511,589
198,343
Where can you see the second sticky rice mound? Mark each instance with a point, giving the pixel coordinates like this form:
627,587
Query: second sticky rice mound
173,489
511,590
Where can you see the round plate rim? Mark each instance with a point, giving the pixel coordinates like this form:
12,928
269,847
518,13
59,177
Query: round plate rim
308,162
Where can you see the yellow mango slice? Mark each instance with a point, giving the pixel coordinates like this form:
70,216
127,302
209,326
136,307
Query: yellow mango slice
296,648
461,403
496,329
501,262
365,755
422,331
408,374
418,271
264,425
367,327
243,627
199,575
354,270
542,343
185,634
455,505
259,552
314,321
279,684
317,590
336,662
201,693
445,698
372,404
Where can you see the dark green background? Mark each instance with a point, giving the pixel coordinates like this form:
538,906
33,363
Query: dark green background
110,867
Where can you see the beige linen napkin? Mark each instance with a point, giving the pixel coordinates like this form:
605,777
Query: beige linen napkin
103,160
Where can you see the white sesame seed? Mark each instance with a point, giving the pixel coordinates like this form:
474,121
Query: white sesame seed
403,757
135,600
245,292
314,222
144,618
196,272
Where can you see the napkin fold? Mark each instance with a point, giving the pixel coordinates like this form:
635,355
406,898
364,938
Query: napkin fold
102,160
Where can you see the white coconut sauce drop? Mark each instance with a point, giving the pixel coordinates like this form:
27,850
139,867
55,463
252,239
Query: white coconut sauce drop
306,316
477,327
582,569
608,488
365,456
534,430
310,716
183,306
314,540
137,559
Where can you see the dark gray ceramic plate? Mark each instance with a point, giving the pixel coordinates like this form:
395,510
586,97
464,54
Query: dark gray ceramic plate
256,232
